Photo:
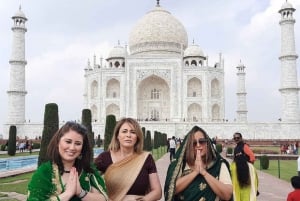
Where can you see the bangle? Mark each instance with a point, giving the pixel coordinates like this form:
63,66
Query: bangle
82,194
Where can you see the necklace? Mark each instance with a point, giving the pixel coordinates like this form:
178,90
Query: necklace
66,171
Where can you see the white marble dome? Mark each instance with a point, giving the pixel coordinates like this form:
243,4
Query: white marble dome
19,14
117,52
158,31
193,51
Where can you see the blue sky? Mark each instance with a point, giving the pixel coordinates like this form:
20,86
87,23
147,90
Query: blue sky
63,35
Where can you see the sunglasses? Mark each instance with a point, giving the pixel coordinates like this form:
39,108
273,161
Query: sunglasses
236,138
201,141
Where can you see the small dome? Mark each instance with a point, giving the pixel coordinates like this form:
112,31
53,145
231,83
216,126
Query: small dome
193,51
286,5
19,14
158,31
117,52
240,65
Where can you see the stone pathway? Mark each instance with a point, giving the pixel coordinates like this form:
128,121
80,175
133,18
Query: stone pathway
13,195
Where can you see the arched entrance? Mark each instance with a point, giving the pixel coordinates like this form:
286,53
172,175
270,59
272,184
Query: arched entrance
153,98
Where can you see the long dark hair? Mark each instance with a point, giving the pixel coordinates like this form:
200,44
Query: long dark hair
189,154
242,168
81,163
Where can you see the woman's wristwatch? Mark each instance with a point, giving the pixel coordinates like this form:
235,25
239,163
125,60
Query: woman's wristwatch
82,194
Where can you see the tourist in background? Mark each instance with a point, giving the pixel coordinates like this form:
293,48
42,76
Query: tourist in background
22,146
172,148
30,146
242,147
198,171
295,194
244,179
129,172
68,175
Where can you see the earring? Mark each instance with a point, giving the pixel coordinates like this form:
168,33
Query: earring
79,157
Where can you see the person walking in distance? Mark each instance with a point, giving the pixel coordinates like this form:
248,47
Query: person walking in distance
172,145
242,147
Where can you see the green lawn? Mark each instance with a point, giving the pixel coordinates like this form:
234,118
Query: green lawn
288,168
16,183
158,153
265,148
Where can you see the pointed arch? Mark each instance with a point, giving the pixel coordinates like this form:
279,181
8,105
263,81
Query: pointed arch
215,88
194,63
117,64
94,89
113,109
113,88
153,99
194,112
215,113
194,87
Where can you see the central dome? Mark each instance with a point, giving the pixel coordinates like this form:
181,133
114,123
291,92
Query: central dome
158,32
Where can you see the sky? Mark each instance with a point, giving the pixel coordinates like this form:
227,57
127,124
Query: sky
62,35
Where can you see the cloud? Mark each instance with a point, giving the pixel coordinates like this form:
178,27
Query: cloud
62,36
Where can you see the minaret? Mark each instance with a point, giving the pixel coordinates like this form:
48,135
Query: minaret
241,94
289,82
16,92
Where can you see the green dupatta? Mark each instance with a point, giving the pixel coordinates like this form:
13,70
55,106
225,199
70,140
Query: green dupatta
198,189
46,183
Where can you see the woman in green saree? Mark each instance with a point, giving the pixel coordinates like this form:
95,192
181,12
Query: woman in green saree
68,175
199,172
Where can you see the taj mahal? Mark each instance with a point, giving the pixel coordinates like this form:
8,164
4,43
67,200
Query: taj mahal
165,83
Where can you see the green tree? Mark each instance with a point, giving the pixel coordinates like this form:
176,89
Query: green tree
165,139
51,124
156,140
148,141
11,149
98,141
86,120
110,124
144,136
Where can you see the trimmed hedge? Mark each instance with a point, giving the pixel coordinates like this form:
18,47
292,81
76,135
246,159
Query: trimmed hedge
110,124
219,148
264,162
51,125
11,149
86,120
229,150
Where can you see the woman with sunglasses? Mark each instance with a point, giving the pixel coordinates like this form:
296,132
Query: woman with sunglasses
199,172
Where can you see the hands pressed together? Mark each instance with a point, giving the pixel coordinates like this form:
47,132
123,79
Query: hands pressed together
199,167
72,185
